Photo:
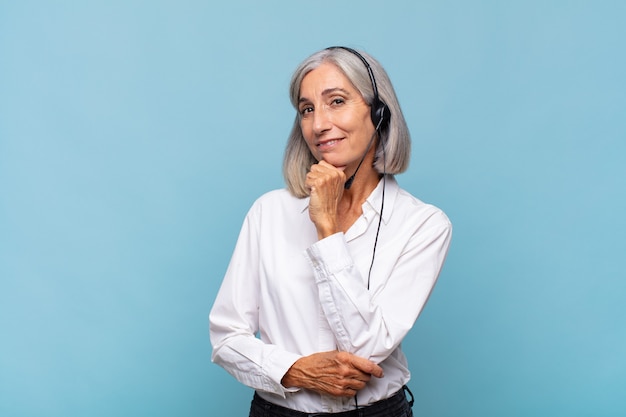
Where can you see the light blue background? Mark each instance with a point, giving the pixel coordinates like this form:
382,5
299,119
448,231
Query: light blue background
134,135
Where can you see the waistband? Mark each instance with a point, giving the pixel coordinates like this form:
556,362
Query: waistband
397,401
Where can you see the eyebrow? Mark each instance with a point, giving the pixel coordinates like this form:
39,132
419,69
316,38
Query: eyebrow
326,92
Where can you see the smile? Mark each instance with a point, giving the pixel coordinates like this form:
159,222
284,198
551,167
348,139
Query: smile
328,143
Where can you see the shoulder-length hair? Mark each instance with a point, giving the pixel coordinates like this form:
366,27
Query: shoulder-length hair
395,137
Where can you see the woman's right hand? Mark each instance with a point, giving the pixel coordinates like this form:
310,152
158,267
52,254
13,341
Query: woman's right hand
340,374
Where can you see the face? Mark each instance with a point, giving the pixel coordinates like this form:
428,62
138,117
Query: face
335,119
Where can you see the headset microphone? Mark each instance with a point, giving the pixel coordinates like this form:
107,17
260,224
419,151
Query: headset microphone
348,183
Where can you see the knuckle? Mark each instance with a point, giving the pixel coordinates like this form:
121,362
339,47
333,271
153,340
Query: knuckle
343,356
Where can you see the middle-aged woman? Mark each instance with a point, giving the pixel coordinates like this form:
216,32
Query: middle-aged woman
330,274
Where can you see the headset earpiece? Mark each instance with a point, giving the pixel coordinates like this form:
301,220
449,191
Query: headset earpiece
380,114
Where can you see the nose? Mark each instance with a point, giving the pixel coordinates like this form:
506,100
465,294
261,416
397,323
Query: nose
321,120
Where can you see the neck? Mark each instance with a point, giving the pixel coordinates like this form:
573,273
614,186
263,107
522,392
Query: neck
364,184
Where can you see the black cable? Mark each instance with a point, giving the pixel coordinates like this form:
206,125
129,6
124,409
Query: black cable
380,218
369,274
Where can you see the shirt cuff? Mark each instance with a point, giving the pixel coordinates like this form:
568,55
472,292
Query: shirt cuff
277,366
329,255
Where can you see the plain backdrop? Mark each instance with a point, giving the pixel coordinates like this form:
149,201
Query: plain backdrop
134,136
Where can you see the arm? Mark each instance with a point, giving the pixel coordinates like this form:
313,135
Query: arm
372,323
413,246
233,321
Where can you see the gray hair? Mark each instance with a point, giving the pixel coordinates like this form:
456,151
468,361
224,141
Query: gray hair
395,137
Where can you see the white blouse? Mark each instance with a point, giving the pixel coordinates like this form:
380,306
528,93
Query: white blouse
286,295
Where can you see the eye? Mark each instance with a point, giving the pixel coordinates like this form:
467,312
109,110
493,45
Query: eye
338,101
305,110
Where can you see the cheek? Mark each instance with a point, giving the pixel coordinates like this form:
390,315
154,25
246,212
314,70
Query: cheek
307,133
308,136
353,121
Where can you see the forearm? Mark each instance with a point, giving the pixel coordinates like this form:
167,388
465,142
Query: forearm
252,362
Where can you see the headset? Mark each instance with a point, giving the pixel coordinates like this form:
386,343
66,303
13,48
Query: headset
380,112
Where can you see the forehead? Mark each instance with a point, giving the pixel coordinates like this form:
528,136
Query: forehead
324,77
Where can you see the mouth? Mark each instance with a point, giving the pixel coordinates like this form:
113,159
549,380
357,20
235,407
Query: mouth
327,144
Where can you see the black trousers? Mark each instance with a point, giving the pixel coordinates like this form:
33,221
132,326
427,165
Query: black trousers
395,406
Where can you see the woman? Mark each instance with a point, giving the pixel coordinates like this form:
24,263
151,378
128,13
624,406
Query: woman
330,274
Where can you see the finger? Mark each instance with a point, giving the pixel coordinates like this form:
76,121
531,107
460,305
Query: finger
325,164
318,173
331,166
327,168
362,377
367,366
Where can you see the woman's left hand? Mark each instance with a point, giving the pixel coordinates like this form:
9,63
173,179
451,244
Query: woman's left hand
340,374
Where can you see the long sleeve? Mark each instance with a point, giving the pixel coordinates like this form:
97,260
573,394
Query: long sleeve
372,322
233,321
